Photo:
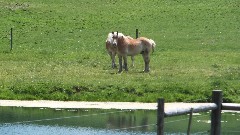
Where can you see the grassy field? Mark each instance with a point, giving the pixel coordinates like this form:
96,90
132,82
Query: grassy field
59,50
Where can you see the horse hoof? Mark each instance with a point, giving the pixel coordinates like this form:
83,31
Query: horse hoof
114,66
146,71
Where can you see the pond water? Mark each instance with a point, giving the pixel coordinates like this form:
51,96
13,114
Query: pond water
46,121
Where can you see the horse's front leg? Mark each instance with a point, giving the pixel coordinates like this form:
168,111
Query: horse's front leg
120,64
125,63
113,60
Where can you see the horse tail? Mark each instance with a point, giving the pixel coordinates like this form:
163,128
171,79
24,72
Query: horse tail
153,44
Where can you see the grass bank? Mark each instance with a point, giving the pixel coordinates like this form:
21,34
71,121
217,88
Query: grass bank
59,50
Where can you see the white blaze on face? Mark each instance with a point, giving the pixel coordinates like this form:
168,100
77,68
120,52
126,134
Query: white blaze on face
114,37
114,42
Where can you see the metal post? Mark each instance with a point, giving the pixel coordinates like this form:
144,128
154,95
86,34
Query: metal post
216,113
160,117
190,122
11,39
136,33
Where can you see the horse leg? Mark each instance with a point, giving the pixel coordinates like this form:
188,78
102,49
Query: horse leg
113,60
120,64
146,61
112,56
132,57
125,63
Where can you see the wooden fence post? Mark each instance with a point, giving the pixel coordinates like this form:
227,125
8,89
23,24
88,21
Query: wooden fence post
11,39
160,117
216,113
136,33
190,122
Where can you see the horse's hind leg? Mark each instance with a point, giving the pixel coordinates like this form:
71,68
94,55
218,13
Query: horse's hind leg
146,61
125,63
132,57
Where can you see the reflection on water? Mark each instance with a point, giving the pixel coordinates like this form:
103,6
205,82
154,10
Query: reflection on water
18,120
30,129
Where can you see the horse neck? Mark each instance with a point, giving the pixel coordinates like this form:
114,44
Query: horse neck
121,40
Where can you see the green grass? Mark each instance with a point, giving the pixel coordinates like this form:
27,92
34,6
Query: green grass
59,50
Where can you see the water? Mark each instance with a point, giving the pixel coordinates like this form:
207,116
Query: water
45,121
57,130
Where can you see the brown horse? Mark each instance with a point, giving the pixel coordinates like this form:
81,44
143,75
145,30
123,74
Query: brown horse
112,50
131,47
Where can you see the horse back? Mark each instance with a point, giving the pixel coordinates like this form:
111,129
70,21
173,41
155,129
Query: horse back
145,40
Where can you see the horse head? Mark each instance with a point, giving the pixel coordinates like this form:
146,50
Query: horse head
115,38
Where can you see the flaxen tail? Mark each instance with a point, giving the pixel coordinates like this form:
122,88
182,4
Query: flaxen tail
153,44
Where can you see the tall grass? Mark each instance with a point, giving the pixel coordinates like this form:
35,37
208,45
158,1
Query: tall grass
59,50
